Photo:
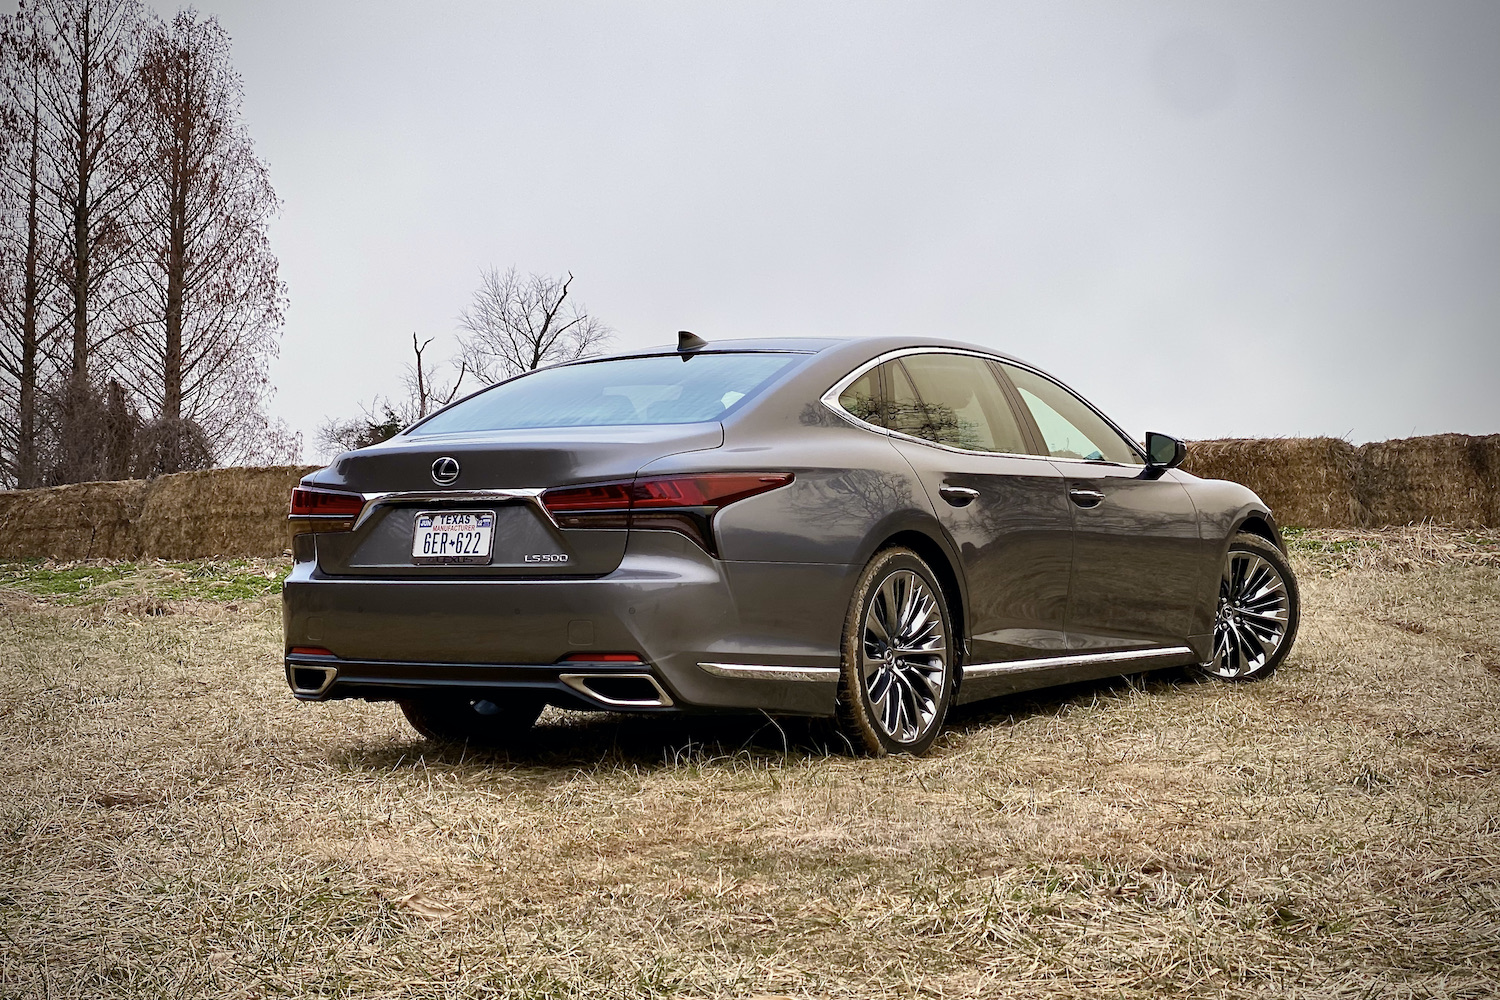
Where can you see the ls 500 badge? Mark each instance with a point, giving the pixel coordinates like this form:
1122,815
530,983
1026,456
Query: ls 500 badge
547,557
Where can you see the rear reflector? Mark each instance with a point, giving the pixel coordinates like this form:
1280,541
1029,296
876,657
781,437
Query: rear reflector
311,502
309,651
601,658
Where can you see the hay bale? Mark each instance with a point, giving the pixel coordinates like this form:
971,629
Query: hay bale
232,513
1445,478
1307,482
80,521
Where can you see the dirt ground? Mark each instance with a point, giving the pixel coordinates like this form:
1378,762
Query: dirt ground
173,824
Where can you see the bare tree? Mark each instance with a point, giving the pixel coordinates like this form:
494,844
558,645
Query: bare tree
423,393
92,178
384,417
207,300
27,253
518,324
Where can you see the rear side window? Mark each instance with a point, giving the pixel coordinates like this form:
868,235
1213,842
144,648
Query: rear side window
953,399
1069,427
664,389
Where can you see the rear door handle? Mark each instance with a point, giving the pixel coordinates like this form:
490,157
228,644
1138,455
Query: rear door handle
958,496
1086,498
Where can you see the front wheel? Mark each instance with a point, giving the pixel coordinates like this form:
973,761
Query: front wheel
898,664
476,721
1259,608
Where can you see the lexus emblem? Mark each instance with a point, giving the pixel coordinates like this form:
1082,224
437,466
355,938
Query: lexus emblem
445,471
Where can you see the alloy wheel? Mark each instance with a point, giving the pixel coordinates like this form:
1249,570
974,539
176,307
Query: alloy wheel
904,656
1254,611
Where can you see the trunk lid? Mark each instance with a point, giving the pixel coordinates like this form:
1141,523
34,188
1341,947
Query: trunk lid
526,543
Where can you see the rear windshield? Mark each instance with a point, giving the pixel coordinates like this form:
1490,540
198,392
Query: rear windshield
664,389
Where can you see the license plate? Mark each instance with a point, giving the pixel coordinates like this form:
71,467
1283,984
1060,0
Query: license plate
453,537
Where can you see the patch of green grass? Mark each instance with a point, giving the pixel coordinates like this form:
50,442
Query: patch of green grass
97,580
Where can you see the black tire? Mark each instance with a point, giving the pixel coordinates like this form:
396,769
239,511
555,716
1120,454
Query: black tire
1258,612
896,703
476,722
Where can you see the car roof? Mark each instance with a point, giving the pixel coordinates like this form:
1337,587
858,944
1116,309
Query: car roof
874,345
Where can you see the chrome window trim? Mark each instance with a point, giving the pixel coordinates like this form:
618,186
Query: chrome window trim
830,399
1073,660
766,672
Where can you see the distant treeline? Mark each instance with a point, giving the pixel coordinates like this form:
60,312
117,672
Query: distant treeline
139,298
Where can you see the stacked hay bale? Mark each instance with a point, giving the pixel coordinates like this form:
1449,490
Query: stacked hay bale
218,512
1447,478
81,521
229,513
1307,482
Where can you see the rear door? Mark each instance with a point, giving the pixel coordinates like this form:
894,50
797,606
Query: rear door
1136,551
1006,511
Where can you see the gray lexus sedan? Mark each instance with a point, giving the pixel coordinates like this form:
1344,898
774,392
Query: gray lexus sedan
871,530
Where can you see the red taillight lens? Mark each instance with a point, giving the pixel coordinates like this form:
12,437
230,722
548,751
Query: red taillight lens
717,489
603,496
684,504
310,502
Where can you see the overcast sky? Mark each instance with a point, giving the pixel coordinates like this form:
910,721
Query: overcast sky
1212,219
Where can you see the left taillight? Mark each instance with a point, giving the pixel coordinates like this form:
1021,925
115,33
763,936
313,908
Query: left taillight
314,509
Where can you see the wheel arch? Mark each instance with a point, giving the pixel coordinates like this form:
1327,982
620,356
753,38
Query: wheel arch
944,567
1261,523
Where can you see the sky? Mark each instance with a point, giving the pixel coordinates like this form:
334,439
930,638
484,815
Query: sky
1210,219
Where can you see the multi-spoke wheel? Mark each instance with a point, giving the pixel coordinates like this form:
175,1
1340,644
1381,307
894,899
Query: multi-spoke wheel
1259,607
898,666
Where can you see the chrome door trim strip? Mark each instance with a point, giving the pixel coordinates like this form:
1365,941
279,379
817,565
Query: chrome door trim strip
1073,660
765,672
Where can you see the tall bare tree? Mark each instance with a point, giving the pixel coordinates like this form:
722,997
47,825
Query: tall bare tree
208,307
517,324
92,178
27,253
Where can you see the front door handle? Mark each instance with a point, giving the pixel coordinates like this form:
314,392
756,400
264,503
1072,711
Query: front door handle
958,496
1086,498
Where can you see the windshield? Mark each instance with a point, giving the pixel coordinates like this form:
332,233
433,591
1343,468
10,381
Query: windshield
664,389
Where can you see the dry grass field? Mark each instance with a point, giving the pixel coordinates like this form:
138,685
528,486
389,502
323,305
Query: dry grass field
172,824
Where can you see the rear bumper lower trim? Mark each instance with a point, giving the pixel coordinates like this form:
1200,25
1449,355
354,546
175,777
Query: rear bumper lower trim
763,672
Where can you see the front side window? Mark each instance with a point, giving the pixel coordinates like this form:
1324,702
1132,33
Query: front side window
663,389
952,399
1069,428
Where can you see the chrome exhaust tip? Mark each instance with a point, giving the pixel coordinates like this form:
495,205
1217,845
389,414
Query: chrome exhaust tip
619,690
309,680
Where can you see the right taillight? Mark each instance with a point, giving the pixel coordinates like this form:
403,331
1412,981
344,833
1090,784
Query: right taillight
685,504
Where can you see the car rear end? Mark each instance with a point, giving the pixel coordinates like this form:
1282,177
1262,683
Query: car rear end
472,557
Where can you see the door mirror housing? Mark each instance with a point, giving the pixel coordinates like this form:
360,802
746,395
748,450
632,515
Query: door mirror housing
1163,451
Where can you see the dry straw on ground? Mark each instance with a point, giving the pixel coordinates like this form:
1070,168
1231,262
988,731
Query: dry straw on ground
173,824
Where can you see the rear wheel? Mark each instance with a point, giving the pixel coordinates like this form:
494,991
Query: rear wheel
475,721
898,663
1259,608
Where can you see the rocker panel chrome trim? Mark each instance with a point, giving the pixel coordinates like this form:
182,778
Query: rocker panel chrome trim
1074,660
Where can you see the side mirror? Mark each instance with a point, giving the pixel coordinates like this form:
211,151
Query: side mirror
1163,451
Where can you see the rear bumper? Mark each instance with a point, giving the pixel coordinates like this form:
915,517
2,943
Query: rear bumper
711,634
